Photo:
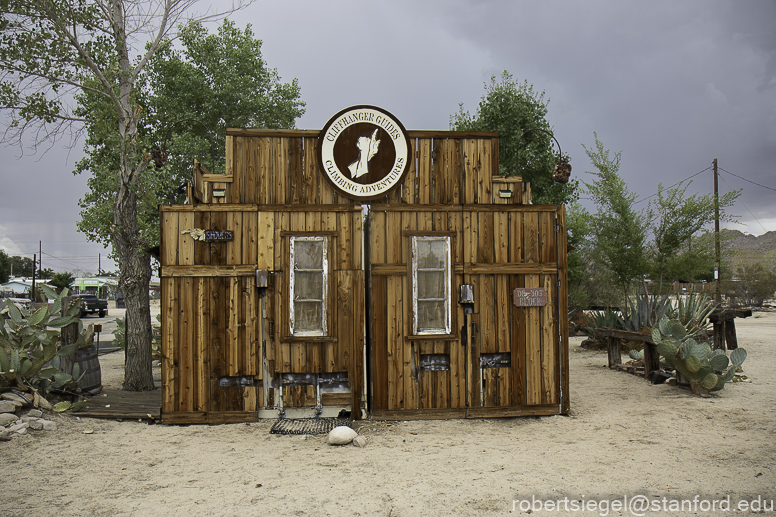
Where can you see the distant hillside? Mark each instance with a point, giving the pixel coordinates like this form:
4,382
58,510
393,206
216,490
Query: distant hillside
739,241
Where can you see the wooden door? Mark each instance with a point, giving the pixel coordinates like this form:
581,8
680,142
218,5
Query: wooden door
498,358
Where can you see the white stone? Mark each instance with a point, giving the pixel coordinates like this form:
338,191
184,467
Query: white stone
341,435
48,425
15,398
6,406
19,428
7,418
35,413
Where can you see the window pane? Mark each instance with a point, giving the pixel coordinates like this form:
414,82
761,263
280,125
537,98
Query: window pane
431,254
431,284
308,254
308,285
431,315
307,316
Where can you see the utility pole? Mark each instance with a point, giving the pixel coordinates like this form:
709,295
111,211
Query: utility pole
718,269
32,294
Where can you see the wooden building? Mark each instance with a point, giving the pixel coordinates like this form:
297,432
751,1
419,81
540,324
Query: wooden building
281,294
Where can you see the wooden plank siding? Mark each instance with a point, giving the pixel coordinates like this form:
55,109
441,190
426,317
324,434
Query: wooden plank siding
495,251
272,191
211,322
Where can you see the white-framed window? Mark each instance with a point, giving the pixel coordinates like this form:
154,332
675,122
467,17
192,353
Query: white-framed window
431,311
309,286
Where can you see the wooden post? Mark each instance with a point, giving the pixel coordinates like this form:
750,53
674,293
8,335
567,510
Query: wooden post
68,335
651,358
614,351
719,336
730,334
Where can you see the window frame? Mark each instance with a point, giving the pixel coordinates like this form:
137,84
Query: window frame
324,330
448,271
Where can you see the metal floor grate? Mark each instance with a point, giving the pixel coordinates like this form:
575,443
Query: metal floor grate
308,425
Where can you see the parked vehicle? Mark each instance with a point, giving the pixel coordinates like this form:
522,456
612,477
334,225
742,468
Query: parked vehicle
90,304
7,296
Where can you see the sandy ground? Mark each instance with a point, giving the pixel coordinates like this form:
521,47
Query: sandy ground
624,438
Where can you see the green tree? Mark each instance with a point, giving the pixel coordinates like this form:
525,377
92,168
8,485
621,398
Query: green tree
619,232
513,108
676,252
61,280
53,50
21,266
190,96
752,285
5,267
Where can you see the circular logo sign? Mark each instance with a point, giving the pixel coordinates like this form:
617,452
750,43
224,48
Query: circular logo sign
364,152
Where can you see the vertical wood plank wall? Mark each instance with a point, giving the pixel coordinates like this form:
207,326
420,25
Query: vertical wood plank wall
273,190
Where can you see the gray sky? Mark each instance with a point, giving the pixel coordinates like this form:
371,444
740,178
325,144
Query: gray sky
672,85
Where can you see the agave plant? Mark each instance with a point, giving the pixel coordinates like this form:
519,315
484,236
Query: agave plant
644,311
29,351
706,370
693,312
608,319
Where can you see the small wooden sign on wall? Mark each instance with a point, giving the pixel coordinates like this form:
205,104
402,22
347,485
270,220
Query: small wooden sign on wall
529,296
218,235
210,235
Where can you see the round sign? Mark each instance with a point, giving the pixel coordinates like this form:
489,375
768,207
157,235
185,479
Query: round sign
364,152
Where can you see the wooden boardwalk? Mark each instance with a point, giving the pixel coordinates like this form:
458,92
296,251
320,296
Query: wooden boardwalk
126,405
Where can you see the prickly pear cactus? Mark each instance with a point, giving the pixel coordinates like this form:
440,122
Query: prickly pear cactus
707,370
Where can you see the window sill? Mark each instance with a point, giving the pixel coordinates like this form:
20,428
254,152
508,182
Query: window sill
308,339
434,337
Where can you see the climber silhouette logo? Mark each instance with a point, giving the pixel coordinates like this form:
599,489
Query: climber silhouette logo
364,152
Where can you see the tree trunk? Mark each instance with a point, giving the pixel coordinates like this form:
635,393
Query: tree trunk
134,279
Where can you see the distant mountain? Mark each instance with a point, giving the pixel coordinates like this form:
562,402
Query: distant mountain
739,241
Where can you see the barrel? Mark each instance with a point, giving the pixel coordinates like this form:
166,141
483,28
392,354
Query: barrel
89,366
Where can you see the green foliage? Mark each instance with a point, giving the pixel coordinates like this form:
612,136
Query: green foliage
512,108
644,310
619,232
120,333
753,284
606,319
666,240
20,266
693,312
5,267
706,370
29,346
62,280
52,52
675,253
189,97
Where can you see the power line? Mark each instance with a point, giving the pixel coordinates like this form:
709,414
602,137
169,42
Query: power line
750,181
675,184
742,202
